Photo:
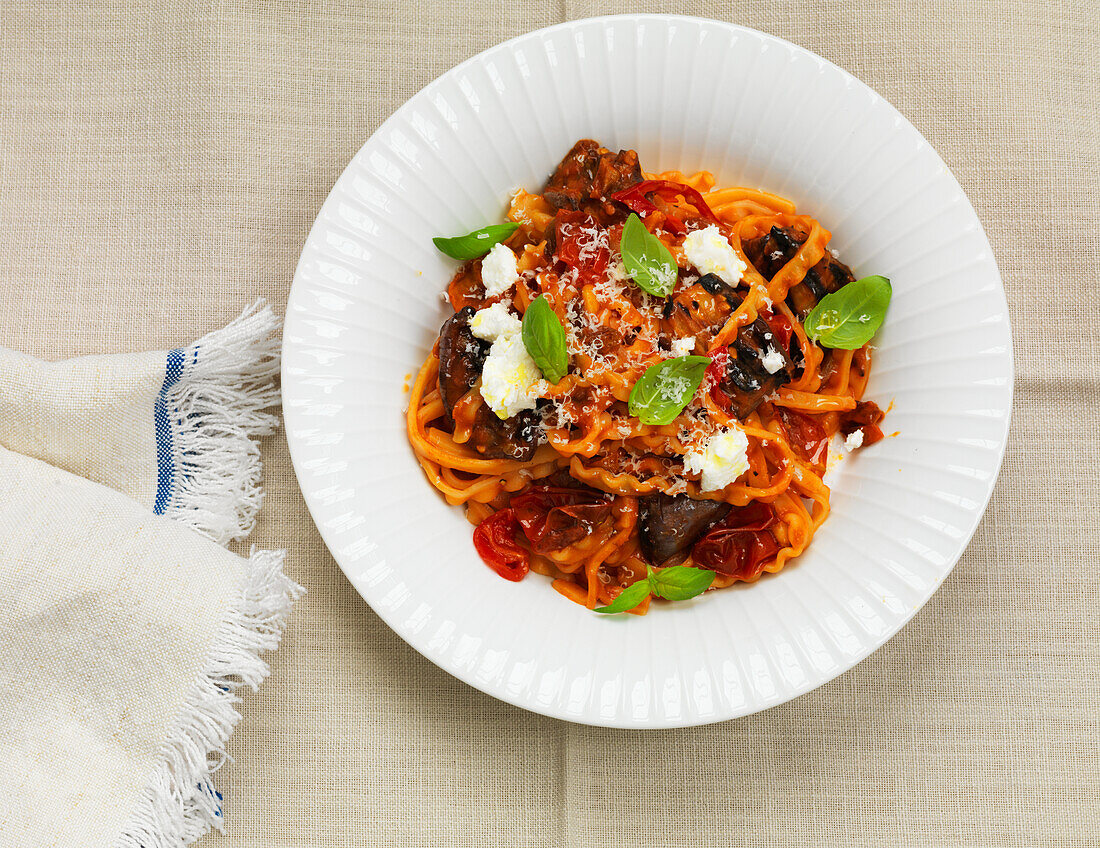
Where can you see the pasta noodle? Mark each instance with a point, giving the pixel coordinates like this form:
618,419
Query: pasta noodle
594,471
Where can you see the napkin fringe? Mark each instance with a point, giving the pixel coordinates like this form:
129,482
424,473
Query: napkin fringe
211,473
179,804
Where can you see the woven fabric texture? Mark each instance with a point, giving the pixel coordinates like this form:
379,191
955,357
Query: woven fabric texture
160,166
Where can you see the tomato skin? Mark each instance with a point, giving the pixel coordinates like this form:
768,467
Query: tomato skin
465,288
872,433
739,544
495,542
637,198
715,374
579,243
866,417
807,437
780,326
554,517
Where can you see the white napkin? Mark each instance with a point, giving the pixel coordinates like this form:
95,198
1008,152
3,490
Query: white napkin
125,629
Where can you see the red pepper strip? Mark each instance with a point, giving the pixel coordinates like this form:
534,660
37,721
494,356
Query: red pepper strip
554,517
740,543
495,541
637,198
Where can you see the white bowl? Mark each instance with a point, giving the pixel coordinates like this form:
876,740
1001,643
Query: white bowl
686,93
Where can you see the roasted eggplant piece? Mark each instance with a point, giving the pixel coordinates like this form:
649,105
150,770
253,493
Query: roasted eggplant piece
826,277
670,524
758,363
588,176
716,285
461,358
512,438
770,252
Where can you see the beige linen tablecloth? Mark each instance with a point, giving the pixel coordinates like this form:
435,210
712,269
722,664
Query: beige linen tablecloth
160,168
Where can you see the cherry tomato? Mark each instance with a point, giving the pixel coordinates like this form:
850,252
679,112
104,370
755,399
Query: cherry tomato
740,543
807,437
554,517
866,416
872,433
495,541
582,243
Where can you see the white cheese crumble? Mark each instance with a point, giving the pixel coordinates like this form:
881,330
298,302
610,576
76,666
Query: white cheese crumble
710,252
498,270
720,460
495,321
510,380
854,440
772,360
683,347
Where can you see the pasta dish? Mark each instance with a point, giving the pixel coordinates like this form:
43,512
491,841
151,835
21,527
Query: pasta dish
638,388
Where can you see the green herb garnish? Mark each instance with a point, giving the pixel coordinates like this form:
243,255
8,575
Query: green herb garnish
675,583
476,244
663,391
850,316
647,260
628,598
544,338
679,582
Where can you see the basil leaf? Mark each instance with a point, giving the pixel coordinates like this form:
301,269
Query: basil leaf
647,260
850,316
476,244
680,582
666,388
544,338
628,598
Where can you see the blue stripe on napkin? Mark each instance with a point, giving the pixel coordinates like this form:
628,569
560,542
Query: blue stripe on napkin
162,425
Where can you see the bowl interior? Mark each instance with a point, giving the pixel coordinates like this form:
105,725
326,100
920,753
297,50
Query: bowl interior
687,94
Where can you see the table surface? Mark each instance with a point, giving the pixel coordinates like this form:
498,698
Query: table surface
160,168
